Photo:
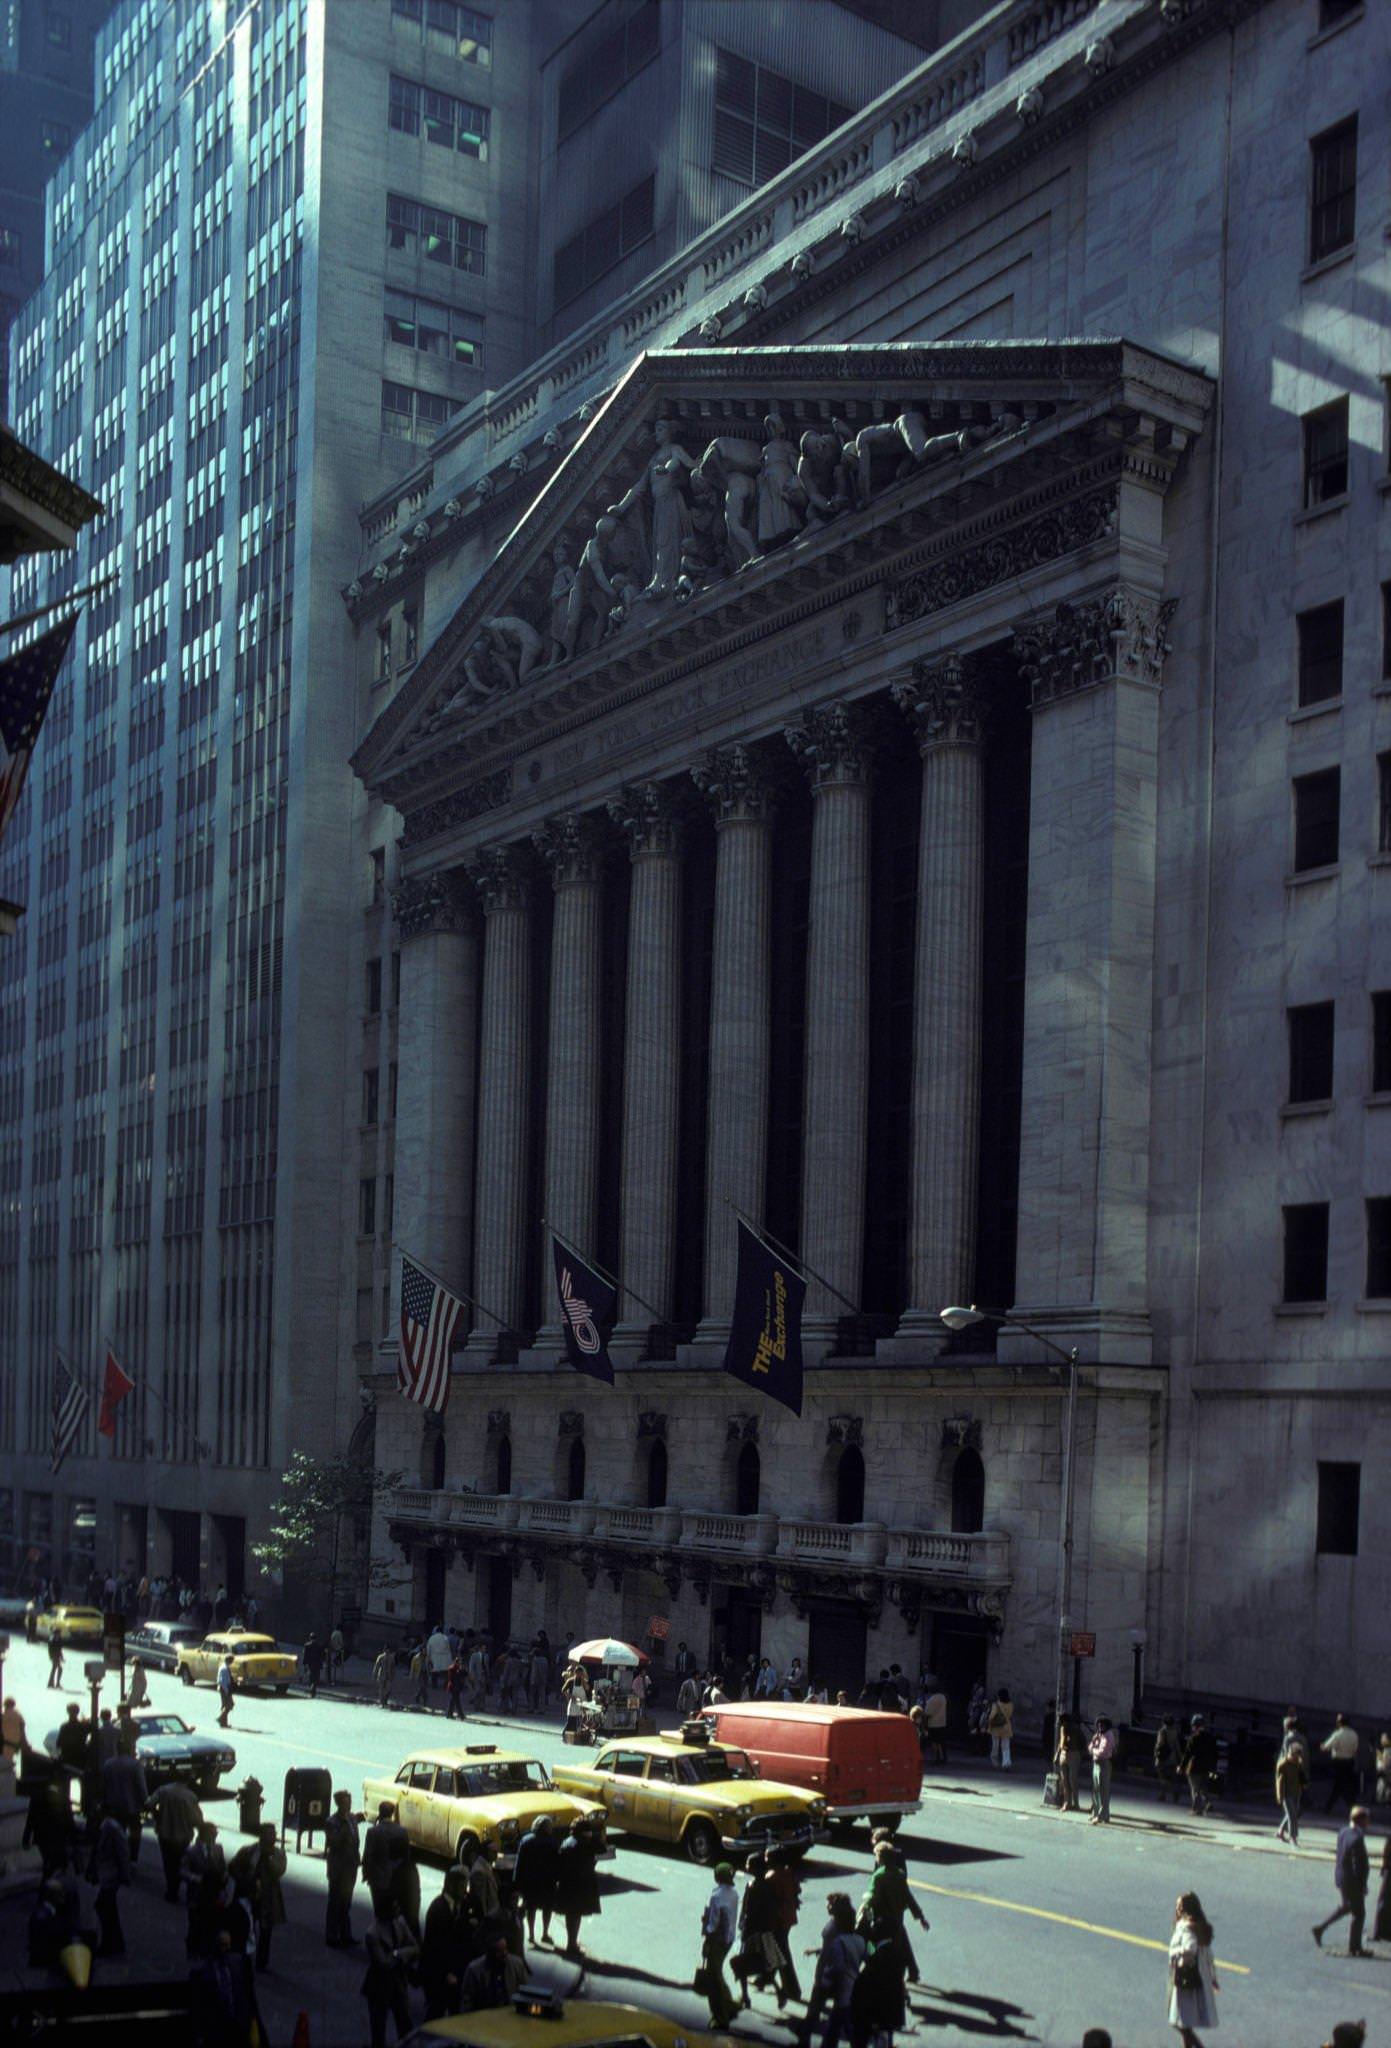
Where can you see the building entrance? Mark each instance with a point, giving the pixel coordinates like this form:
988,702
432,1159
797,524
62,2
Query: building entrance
736,1626
958,1646
837,1646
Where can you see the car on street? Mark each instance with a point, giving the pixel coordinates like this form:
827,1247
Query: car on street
449,1800
13,1610
536,2014
68,1624
258,1662
157,1643
865,1764
703,1795
168,1748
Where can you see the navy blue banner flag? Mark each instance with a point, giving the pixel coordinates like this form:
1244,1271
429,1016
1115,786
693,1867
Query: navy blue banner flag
587,1306
765,1338
26,684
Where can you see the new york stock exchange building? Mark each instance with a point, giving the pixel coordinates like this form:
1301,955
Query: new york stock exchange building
853,774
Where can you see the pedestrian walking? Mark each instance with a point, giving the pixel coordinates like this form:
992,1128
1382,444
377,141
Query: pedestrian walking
977,1708
110,1872
1381,1925
1167,1753
138,1691
1383,1768
577,1882
759,1955
1290,1781
452,1940
719,1926
935,1718
538,1680
178,1817
342,1861
1102,1751
49,1825
482,1881
13,1741
1199,1763
256,1872
392,1952
224,1997
124,1796
878,2001
455,1679
688,1695
842,1959
787,1891
383,1671
205,1878
55,1663
420,1675
999,1722
889,1900
312,1656
224,1691
1067,1761
1341,1747
1192,1980
1351,1873
439,1655
536,1873
385,1843
336,1651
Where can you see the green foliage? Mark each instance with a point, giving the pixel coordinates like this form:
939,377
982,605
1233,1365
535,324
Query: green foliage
307,1533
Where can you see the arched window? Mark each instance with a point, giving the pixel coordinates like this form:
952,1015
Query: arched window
574,1484
657,1474
502,1465
967,1493
437,1462
748,1473
850,1485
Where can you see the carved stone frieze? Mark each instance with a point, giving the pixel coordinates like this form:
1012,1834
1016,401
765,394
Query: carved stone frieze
650,815
503,877
845,1429
945,702
1000,559
736,782
572,847
499,1422
1074,647
433,903
833,744
461,805
961,1433
742,1429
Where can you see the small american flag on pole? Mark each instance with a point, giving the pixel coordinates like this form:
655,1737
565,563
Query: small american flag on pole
429,1316
26,684
70,1404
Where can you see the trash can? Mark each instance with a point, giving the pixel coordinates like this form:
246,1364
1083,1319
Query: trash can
308,1797
250,1797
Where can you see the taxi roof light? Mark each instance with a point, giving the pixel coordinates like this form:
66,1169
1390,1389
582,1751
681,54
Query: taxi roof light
696,1733
480,1749
538,2002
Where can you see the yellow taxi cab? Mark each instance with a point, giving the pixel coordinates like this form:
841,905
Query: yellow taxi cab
706,1796
69,1624
571,2023
449,1800
258,1662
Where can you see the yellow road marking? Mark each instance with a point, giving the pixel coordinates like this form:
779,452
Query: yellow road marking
947,1891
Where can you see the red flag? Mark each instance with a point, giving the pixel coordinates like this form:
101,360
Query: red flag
115,1385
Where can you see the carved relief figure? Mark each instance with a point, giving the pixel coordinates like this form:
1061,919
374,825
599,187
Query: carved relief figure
821,473
780,497
562,583
505,654
731,466
592,592
663,485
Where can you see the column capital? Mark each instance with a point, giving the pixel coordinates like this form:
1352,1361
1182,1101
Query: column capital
502,875
572,847
738,784
651,817
1120,632
834,744
433,903
945,702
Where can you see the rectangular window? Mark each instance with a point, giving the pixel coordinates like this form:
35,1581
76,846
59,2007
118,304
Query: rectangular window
410,632
384,652
607,64
1311,1052
431,329
388,1202
1320,653
374,988
763,121
370,1091
55,138
1316,806
1386,632
450,239
1378,1247
1340,1504
1333,190
603,242
403,107
415,415
367,1207
396,981
1381,1041
1306,1251
378,874
1326,452
1384,803
391,1091
452,30
450,123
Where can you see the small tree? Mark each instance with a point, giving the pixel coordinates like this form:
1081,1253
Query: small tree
307,1534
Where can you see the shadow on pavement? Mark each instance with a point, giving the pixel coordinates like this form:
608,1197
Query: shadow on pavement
991,2018
948,1853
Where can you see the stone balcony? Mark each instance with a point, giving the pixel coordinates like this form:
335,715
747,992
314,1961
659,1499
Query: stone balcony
691,1542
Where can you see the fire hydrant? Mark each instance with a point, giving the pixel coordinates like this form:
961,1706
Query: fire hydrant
249,1798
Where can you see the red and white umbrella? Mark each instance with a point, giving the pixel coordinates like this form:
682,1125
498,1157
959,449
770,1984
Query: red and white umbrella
605,1650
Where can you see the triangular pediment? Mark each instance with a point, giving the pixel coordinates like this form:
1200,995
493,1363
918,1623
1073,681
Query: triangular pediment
716,482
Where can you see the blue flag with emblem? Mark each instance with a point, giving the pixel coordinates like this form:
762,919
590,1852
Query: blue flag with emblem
765,1337
587,1305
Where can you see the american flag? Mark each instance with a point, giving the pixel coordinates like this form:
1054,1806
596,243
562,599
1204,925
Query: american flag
70,1404
26,684
429,1314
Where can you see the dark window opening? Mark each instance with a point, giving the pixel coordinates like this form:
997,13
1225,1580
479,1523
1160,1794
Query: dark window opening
1306,1251
1384,803
1333,190
1333,11
1340,1501
850,1485
1311,1052
502,1465
748,1480
1386,632
437,1462
1326,452
370,1091
1316,808
967,1493
763,121
1381,1041
367,1207
374,988
1320,653
574,1470
657,1474
1378,1247
604,241
608,64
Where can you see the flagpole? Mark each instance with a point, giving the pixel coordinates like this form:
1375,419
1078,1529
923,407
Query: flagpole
459,1293
604,1274
775,1244
73,597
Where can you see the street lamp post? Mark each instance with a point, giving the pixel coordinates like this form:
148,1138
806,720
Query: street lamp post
965,1319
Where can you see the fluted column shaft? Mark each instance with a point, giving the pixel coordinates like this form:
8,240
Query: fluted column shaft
741,975
650,818
832,744
946,705
572,849
504,1057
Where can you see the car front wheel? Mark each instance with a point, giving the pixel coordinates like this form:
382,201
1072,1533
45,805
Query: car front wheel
185,1674
466,1848
702,1842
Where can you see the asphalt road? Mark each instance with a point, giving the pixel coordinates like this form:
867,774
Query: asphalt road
1041,1925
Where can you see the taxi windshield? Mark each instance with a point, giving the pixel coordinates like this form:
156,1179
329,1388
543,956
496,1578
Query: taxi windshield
478,1781
162,1724
713,1766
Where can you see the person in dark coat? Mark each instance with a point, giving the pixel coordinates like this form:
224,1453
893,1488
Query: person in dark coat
535,1874
1381,1926
391,1950
342,1860
758,1919
111,1872
877,2003
1199,1764
313,1655
224,1997
387,1842
205,1877
491,1979
48,1825
125,1795
577,1882
1351,1871
256,1871
453,1940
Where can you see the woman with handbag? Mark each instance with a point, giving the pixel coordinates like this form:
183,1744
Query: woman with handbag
1192,1981
760,1956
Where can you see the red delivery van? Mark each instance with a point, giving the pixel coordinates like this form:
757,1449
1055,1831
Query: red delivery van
864,1764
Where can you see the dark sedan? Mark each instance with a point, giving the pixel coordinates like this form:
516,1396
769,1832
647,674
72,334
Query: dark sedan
169,1748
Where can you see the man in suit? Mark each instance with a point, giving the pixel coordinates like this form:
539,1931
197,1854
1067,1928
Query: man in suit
1350,1874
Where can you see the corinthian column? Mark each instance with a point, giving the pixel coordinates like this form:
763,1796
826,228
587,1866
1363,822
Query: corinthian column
572,848
503,875
650,817
734,781
946,706
832,744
